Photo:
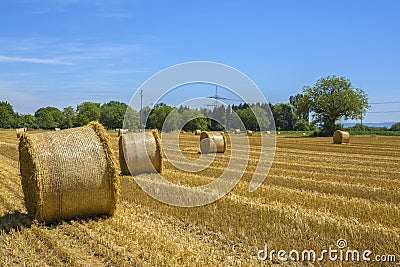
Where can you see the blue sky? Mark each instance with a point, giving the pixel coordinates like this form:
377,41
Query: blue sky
64,52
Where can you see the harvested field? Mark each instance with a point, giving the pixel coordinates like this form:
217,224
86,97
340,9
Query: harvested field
315,194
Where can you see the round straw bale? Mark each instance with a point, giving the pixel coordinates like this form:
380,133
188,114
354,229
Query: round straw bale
57,129
122,131
20,131
212,142
268,132
340,137
140,153
249,132
197,132
69,173
236,131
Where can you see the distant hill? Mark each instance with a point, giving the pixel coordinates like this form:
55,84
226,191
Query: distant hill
370,124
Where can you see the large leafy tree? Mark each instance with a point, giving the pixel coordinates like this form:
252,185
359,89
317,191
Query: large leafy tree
294,101
194,119
87,112
248,118
27,121
218,121
332,98
112,114
158,116
49,118
284,116
70,116
173,121
395,127
132,119
8,118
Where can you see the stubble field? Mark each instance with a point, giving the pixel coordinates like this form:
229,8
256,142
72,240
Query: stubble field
314,194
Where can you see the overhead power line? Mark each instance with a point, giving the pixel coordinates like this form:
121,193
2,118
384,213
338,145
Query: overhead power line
216,97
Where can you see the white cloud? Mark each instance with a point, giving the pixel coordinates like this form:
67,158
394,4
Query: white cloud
33,60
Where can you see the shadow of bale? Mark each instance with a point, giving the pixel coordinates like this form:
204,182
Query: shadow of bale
14,221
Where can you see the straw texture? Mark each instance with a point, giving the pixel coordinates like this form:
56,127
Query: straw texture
340,137
140,153
69,173
20,131
212,142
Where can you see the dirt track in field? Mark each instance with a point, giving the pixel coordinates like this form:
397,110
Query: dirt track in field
315,194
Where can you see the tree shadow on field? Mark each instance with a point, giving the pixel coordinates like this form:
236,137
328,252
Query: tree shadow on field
14,221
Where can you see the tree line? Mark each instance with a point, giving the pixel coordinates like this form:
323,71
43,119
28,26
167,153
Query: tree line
327,101
111,115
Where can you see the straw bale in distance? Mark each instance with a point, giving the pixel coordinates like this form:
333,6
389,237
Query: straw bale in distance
57,129
212,142
340,137
249,132
140,153
122,131
20,131
197,132
236,131
69,173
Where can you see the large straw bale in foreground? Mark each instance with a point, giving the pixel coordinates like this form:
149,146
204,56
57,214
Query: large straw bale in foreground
69,173
140,153
212,142
340,137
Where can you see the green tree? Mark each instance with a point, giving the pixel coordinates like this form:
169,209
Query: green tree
70,116
248,118
87,112
158,116
194,119
294,101
8,118
395,127
49,118
235,121
112,114
263,122
132,119
144,115
332,98
359,127
173,121
302,125
218,121
284,116
27,121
